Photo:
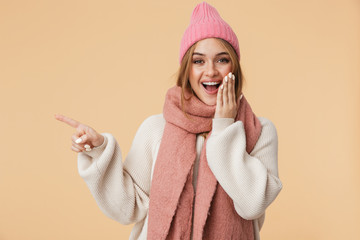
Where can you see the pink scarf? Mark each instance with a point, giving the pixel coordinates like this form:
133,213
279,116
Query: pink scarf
172,197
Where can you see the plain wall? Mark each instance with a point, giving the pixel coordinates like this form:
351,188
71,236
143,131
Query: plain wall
109,64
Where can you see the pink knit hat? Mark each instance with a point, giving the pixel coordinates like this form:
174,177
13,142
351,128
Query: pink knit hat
206,23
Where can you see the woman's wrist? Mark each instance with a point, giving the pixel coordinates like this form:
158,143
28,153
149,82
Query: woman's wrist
219,124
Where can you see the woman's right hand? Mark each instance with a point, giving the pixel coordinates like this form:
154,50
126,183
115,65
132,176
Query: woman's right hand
85,137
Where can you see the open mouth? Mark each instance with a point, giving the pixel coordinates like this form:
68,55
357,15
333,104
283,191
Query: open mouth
211,87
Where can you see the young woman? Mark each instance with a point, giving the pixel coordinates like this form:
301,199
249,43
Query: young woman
204,169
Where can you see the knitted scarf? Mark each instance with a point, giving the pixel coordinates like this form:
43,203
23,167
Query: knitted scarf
174,209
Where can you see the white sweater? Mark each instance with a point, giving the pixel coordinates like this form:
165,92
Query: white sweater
121,190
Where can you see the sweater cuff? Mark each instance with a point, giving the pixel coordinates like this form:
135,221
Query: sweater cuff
219,124
97,151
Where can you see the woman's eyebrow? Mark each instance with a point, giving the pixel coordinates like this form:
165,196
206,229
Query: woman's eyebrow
222,53
201,54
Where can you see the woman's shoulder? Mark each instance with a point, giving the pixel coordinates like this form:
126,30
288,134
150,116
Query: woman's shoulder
153,125
156,120
265,121
268,127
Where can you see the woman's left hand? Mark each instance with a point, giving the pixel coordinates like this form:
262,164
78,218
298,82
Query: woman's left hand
226,106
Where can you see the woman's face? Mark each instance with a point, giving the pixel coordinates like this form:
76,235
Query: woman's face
210,64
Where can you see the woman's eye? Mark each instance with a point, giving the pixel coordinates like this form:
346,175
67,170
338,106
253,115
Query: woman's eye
198,61
224,60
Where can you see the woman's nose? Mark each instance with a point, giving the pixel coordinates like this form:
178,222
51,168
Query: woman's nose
211,69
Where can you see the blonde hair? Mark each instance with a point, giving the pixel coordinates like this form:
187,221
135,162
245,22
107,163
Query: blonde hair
184,70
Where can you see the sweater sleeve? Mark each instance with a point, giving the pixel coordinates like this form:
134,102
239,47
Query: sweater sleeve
251,180
121,190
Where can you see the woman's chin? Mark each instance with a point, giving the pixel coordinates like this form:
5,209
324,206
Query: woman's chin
209,101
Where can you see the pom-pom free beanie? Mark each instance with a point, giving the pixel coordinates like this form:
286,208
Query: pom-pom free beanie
206,22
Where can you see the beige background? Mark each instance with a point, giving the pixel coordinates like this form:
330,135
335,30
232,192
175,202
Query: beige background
109,64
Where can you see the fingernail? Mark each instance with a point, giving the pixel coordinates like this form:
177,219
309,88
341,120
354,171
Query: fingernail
79,140
233,77
87,146
88,149
222,86
226,79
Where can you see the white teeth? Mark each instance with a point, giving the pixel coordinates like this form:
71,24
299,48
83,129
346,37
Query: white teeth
210,83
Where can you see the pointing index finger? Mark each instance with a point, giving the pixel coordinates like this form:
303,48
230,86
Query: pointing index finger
73,123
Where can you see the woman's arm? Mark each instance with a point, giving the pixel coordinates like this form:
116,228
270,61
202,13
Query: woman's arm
251,180
121,190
